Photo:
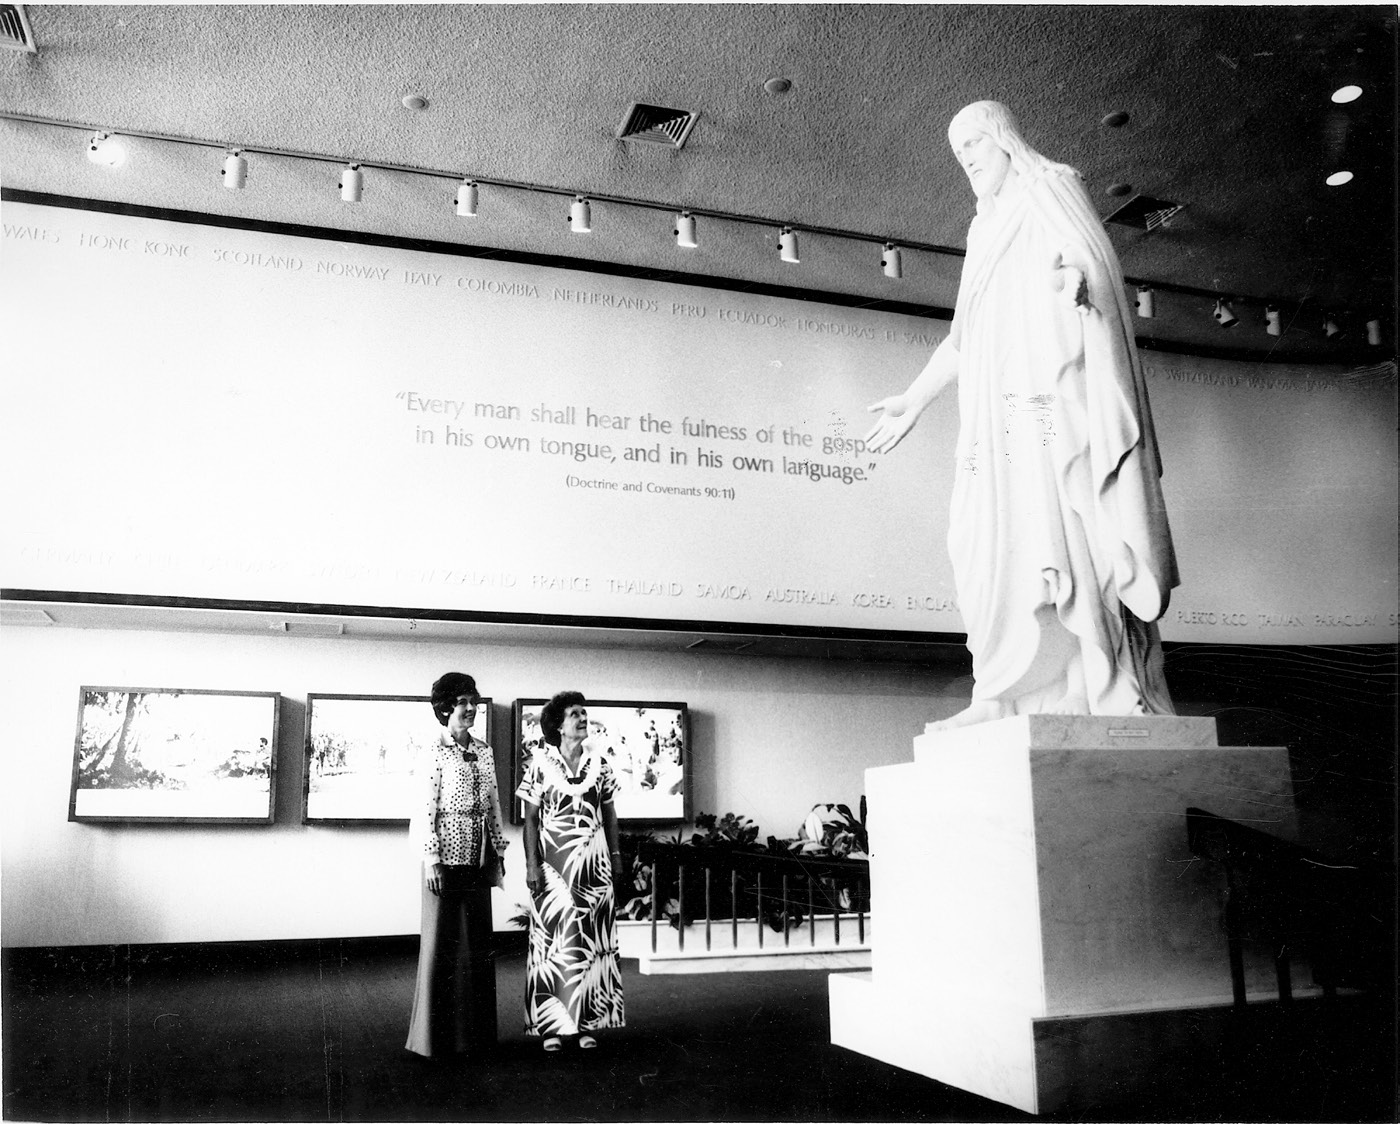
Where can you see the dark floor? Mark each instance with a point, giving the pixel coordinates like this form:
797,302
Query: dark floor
315,1031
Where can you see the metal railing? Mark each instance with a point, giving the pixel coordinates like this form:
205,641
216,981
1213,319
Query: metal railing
721,887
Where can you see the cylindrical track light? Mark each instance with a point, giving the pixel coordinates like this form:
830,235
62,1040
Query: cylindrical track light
1273,322
352,184
1373,333
891,261
104,148
466,198
1224,314
1145,302
787,244
580,216
235,170
685,231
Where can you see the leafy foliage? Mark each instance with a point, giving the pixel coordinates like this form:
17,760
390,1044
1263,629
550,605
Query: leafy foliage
728,829
830,829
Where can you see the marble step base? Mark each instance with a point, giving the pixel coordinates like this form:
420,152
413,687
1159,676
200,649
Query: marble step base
1192,1059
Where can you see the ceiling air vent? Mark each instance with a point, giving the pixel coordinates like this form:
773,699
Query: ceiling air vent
14,29
1145,213
656,124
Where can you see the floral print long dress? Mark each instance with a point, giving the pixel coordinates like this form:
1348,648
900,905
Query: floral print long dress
573,978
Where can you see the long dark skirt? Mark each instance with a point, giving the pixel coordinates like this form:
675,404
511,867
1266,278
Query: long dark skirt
454,1003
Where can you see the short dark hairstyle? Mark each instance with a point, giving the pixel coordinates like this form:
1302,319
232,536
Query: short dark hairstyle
448,689
552,716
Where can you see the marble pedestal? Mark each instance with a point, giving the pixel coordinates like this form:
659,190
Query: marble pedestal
1035,869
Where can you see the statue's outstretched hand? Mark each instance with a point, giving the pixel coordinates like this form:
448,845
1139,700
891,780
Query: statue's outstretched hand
896,420
1070,283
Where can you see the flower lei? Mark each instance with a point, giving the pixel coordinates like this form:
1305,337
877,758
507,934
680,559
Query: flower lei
552,765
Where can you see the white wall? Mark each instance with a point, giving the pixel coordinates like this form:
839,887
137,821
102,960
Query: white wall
771,738
363,393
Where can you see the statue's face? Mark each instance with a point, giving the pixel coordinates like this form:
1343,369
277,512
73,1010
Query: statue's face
985,162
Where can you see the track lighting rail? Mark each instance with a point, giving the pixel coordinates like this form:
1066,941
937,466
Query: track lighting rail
685,215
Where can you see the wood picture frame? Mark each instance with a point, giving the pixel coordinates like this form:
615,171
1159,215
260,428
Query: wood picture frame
647,743
174,755
361,754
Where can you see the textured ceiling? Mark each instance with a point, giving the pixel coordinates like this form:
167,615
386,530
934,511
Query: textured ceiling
1228,113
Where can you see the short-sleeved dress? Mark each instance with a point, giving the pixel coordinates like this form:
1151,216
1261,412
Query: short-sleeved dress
573,978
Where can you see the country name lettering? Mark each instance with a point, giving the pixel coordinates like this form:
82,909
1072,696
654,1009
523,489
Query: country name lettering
1345,620
560,583
644,587
722,591
791,596
830,328
31,234
364,272
931,604
762,319
264,261
606,300
502,579
1202,616
498,288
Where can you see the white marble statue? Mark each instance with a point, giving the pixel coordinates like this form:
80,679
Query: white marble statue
1059,540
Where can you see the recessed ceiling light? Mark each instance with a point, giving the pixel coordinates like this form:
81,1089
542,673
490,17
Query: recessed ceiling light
778,85
415,101
1116,119
1119,189
1346,94
1336,179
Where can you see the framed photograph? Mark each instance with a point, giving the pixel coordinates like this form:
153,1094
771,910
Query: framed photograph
167,755
646,743
362,752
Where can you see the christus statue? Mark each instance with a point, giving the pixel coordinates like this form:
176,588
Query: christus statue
1061,552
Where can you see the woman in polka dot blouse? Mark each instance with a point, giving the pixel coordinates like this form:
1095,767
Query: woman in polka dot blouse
457,831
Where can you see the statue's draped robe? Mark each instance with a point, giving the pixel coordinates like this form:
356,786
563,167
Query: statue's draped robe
1057,515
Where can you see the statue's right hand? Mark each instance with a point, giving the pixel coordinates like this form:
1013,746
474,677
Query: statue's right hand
894,423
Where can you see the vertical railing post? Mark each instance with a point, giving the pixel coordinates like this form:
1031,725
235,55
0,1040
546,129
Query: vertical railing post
758,884
786,904
863,887
733,907
680,905
707,908
836,915
655,895
811,912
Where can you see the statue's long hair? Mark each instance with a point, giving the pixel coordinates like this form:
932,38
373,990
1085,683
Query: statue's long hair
998,122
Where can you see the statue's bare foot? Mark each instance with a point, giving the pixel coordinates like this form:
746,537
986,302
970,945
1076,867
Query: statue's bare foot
971,715
1071,704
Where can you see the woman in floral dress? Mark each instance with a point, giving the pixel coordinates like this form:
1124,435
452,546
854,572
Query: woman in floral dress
573,979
